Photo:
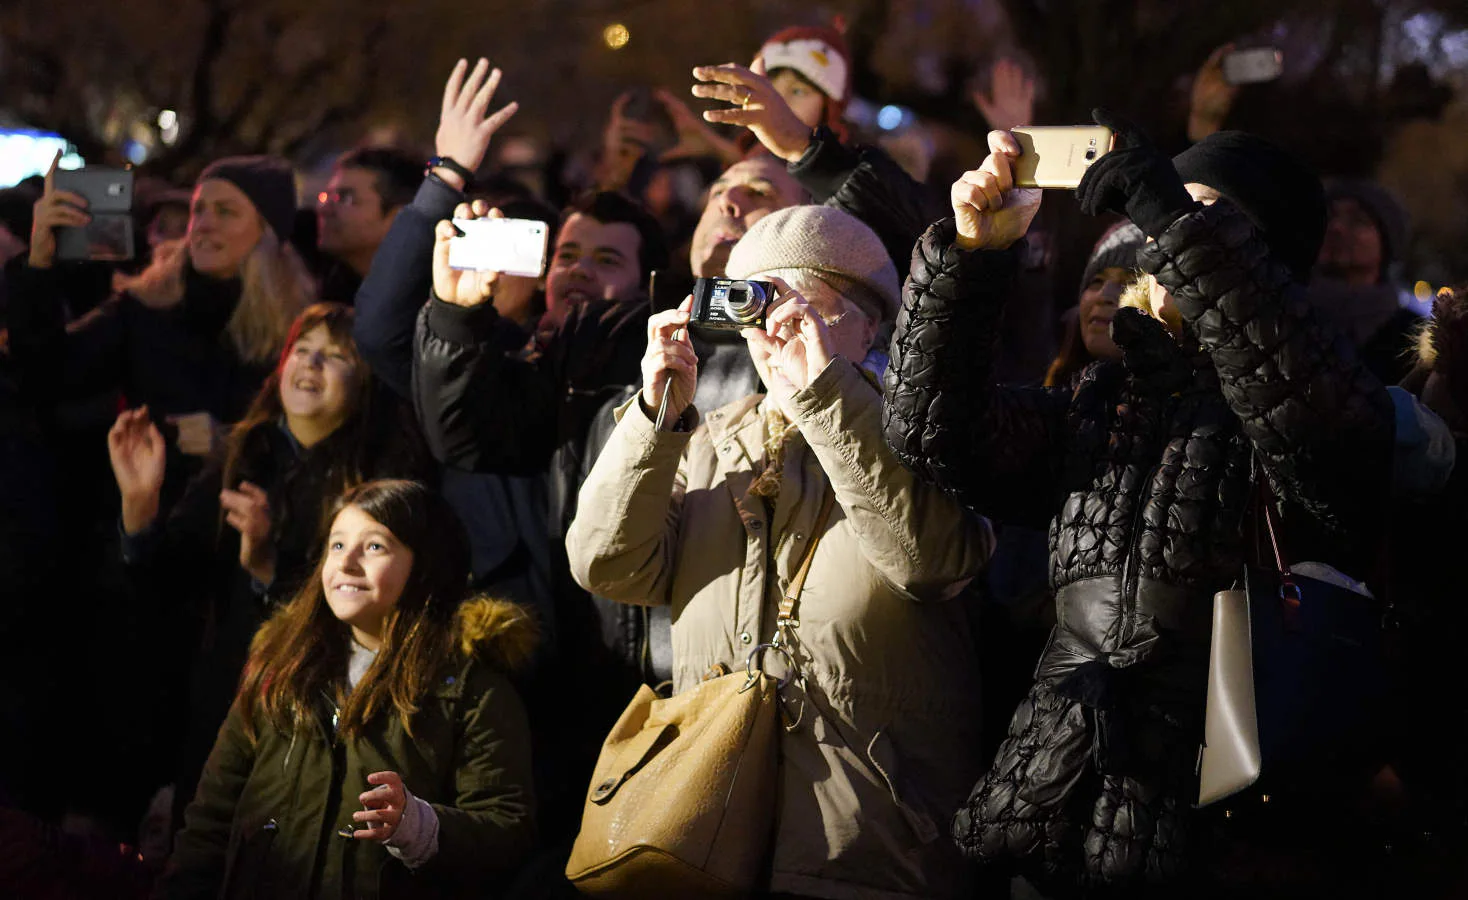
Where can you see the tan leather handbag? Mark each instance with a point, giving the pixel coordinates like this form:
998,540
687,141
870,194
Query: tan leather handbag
682,801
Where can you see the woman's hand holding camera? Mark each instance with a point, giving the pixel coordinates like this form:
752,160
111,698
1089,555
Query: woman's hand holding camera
247,510
462,287
757,106
138,454
991,213
463,130
670,365
793,349
56,209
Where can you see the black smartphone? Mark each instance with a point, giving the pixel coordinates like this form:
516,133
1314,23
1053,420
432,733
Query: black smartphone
643,106
109,195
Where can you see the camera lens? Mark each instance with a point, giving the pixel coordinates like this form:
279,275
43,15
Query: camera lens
745,301
1091,154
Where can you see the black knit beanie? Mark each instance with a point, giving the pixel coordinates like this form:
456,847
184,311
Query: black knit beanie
268,181
1117,248
1279,194
1391,218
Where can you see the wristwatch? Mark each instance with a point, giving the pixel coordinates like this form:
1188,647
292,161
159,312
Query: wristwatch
446,162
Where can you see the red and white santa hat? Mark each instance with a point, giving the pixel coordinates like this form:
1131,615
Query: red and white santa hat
820,56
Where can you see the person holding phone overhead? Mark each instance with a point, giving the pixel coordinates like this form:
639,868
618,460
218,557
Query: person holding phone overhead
194,335
1141,469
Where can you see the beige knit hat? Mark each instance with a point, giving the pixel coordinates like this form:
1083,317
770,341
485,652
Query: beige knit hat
830,244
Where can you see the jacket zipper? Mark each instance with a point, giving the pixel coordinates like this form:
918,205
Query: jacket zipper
1130,574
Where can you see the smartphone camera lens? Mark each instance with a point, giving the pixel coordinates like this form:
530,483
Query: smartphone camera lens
1090,154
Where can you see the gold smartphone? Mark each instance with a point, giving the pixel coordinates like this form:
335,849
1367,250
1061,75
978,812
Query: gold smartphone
1057,156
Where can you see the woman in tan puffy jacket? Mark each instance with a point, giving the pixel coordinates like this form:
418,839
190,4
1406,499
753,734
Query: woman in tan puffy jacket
712,515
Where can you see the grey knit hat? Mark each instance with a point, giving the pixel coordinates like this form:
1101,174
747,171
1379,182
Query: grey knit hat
1117,247
832,245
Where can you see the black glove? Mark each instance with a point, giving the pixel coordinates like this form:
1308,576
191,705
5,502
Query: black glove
1134,180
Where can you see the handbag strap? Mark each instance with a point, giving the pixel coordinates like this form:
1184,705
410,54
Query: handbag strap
786,619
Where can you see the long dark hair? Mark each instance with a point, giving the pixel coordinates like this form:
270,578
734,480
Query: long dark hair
302,651
266,407
1073,355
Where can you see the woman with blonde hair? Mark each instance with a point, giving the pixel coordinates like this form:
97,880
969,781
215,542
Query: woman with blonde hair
194,335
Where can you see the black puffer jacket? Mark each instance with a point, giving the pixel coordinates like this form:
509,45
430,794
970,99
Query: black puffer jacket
1143,471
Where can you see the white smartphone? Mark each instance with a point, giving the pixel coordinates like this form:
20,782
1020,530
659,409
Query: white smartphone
508,246
1253,66
1057,156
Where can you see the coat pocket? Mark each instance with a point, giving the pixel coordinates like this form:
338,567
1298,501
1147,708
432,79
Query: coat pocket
882,754
245,872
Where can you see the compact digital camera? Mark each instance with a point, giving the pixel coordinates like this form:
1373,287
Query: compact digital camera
726,304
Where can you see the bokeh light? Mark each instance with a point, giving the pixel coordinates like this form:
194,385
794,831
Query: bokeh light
616,36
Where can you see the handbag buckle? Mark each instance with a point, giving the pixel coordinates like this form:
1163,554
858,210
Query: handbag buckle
754,666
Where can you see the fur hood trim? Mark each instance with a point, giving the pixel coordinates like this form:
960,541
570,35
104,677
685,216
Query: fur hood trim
499,632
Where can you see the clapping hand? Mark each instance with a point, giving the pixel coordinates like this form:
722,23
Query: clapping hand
247,511
138,454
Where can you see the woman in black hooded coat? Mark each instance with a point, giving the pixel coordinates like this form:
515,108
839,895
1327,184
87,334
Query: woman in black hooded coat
1142,470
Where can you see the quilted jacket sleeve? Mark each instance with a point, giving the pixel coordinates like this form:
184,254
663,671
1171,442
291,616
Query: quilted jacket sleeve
999,449
870,185
1321,422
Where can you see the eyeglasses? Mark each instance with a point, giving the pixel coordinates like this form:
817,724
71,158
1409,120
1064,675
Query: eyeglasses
340,197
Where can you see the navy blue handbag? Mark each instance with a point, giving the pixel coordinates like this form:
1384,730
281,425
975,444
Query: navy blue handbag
1297,678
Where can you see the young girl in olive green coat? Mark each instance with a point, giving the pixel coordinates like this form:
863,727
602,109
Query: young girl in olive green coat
376,747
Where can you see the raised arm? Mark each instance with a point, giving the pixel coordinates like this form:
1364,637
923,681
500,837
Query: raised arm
397,284
1321,422
1000,450
863,181
621,542
483,405
55,361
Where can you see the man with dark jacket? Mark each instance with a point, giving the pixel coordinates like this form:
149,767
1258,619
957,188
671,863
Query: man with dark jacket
1143,471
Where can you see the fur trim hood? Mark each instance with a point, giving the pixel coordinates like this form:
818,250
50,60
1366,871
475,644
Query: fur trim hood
498,632
1444,330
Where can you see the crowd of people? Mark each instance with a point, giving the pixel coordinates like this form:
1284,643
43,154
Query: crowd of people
330,566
